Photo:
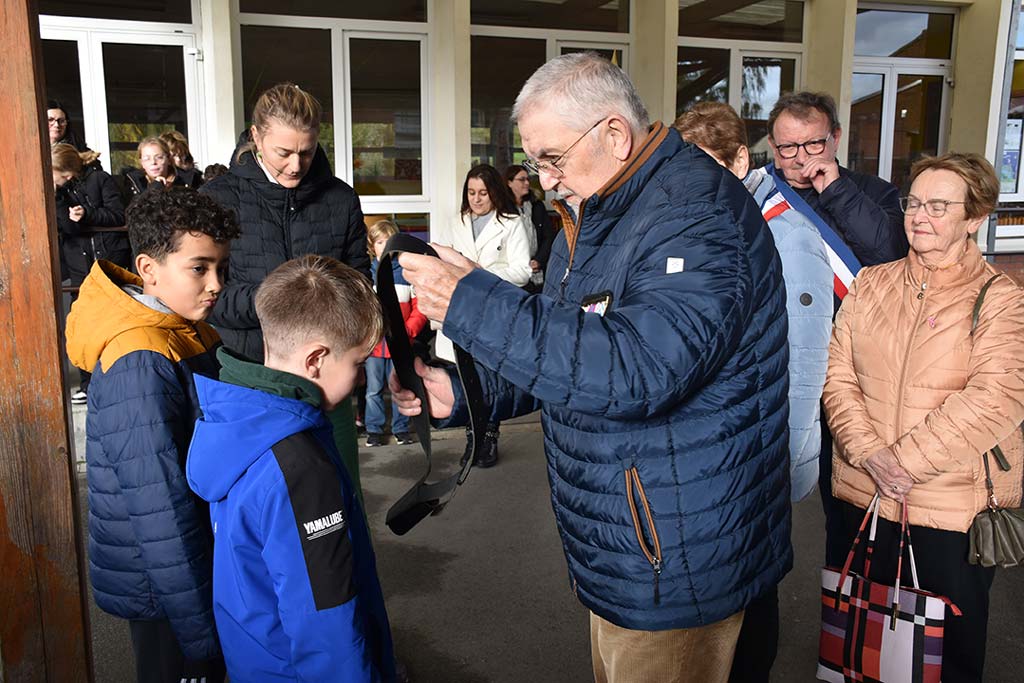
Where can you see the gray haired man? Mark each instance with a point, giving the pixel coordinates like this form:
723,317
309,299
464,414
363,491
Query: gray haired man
657,352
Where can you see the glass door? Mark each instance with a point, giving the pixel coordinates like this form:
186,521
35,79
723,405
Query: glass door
123,86
617,54
898,113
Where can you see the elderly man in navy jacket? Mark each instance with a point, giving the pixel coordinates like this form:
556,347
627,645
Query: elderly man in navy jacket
658,354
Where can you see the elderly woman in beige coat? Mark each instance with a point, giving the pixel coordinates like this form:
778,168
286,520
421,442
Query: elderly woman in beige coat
914,398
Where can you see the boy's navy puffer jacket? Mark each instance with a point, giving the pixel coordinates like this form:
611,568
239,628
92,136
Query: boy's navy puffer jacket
665,418
150,546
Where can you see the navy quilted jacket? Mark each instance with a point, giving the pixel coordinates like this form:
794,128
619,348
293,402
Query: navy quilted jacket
665,418
320,216
150,544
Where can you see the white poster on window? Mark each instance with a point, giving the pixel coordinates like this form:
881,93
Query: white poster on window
1011,156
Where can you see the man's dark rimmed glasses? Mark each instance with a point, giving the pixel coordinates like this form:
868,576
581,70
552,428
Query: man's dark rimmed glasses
812,147
552,167
936,208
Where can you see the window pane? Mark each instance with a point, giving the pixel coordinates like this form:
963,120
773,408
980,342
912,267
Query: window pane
776,20
764,79
145,96
415,224
918,107
178,11
702,75
1020,29
884,33
586,16
613,55
392,10
1009,171
499,68
63,80
866,123
387,130
272,55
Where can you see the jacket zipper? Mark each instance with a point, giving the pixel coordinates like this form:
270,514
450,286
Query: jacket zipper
906,356
289,209
572,249
653,555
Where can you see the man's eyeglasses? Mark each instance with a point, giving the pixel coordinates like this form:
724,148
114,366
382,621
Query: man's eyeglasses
553,168
936,208
812,147
59,122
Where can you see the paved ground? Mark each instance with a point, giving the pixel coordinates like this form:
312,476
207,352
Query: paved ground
480,593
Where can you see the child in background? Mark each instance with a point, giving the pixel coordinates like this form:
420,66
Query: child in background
143,338
378,365
296,595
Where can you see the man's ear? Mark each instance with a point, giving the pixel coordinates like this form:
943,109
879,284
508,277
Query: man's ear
620,136
313,360
145,266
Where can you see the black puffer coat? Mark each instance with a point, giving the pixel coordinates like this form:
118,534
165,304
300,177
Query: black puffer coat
97,193
320,216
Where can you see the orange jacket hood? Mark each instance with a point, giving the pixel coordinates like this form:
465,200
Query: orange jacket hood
107,323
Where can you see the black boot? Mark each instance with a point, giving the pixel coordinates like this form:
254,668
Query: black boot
488,454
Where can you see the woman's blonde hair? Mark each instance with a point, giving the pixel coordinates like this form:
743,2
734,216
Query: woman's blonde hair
287,104
382,228
154,140
976,172
66,159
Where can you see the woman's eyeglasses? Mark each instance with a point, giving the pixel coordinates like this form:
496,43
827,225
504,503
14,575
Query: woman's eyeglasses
936,208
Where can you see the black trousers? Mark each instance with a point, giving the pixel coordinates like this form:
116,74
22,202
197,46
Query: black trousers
942,568
836,546
759,640
158,657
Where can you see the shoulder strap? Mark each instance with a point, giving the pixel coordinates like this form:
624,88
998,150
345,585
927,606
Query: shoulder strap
424,498
976,313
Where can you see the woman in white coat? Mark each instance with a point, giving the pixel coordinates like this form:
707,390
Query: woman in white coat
490,231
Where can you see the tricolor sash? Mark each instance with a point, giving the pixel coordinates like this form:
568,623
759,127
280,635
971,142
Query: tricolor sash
845,264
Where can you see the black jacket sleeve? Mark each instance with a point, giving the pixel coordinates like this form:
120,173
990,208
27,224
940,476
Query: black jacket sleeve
355,254
105,209
545,233
869,217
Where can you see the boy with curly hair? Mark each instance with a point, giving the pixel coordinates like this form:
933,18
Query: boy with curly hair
143,338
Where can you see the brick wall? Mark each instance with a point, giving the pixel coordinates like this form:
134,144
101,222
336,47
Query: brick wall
1012,265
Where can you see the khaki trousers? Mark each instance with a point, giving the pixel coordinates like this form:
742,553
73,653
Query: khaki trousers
686,655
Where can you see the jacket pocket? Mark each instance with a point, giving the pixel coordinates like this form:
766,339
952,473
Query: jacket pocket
643,524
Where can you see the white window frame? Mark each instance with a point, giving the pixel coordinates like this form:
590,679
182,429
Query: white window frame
738,49
556,39
1017,196
341,31
893,67
91,34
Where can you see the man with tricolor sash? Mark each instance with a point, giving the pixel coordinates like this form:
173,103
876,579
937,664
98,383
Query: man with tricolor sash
858,216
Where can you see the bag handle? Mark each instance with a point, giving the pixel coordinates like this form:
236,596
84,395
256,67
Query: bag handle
997,451
424,498
872,514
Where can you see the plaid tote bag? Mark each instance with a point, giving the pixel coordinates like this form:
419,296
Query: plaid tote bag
875,633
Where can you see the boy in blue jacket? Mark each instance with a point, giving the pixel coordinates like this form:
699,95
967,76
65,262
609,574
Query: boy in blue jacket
296,595
143,338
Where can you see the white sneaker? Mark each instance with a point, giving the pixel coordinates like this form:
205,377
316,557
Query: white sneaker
79,398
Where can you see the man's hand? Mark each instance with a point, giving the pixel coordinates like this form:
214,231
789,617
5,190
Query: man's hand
438,384
434,280
821,172
75,213
890,478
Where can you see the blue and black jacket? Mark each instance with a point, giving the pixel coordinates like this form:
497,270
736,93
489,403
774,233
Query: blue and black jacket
296,595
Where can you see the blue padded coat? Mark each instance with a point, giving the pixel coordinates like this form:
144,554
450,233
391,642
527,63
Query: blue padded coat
150,544
665,417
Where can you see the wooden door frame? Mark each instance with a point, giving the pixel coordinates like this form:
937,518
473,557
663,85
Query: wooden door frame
44,627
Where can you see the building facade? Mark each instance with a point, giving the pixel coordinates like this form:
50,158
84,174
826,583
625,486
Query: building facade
416,91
